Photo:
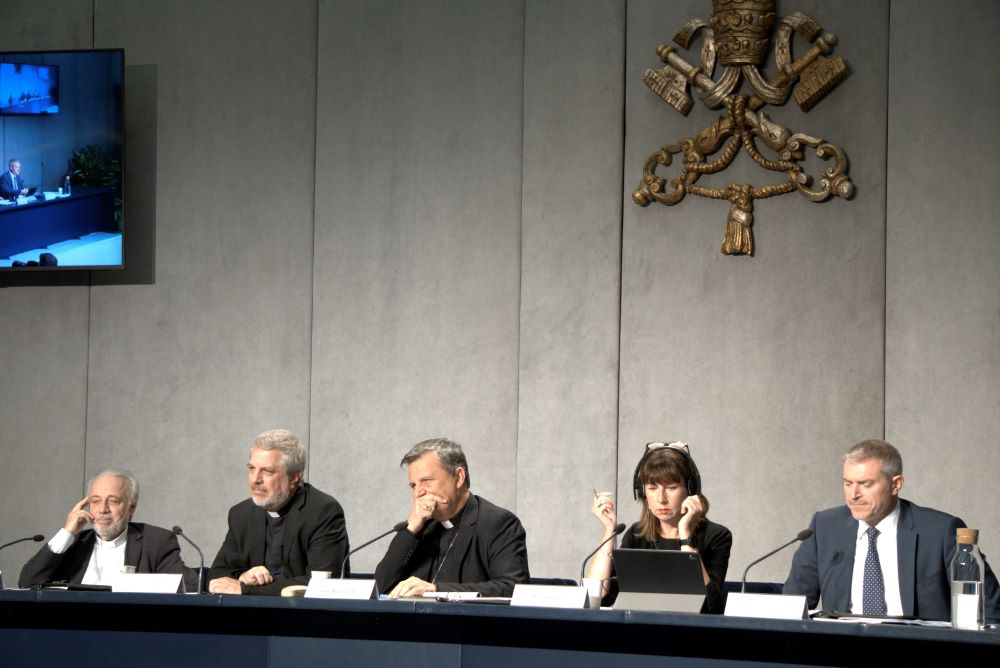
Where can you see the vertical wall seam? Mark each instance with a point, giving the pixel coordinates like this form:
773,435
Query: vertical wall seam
520,258
621,241
90,312
885,231
312,246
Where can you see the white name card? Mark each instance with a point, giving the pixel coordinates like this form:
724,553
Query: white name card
766,606
343,589
147,583
549,596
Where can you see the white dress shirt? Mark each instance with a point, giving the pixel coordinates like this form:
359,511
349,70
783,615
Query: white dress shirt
106,560
888,560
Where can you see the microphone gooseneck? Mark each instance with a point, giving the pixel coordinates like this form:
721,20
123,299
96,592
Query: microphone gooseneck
802,535
38,538
396,529
583,567
201,569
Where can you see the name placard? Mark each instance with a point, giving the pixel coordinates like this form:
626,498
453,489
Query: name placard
342,589
549,596
766,606
147,583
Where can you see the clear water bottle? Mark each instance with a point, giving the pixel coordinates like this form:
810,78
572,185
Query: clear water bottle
967,578
66,185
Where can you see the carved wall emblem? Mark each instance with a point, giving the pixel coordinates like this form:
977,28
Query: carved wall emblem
738,35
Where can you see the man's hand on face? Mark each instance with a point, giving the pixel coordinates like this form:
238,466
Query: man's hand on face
79,517
423,510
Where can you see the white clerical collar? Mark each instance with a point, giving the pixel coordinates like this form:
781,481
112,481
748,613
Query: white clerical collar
273,514
111,544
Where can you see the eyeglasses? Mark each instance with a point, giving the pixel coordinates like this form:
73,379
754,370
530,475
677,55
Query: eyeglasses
673,445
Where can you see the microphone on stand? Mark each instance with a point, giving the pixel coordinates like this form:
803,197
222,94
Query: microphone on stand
802,535
396,529
38,538
201,569
583,567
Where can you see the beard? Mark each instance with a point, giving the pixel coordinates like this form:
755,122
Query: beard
276,501
111,531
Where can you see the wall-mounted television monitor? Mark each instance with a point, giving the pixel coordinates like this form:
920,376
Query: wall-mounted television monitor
62,198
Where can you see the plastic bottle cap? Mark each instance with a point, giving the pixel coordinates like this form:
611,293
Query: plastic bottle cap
967,536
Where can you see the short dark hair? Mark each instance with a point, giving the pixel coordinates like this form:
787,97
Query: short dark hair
449,452
890,461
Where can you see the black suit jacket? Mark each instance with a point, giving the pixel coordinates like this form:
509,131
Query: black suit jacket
149,548
823,565
314,536
489,554
6,189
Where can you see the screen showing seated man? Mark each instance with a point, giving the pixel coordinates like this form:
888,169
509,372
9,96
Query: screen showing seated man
61,177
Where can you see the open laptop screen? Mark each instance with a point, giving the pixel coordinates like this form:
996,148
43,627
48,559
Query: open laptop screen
659,580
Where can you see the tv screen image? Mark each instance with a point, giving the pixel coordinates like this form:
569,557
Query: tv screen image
28,89
62,201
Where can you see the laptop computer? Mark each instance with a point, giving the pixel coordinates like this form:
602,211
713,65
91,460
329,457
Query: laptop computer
668,580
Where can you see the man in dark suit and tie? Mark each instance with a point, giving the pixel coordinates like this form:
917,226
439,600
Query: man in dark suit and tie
11,184
285,530
94,556
880,555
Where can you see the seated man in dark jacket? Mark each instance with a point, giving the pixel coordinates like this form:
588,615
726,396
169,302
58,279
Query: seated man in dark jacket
96,555
286,528
454,540
880,554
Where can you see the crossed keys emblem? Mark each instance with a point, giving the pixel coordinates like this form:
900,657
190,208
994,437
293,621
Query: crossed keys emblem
738,34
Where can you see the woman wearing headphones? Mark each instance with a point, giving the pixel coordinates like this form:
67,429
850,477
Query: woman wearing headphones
667,484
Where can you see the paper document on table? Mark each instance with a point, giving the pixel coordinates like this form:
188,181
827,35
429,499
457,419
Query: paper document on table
451,595
823,616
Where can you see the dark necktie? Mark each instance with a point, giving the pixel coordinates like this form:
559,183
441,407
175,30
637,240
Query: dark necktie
873,596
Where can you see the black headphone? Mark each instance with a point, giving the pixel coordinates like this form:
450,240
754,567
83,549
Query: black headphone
693,481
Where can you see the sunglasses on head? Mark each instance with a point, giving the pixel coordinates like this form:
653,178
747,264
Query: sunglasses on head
673,445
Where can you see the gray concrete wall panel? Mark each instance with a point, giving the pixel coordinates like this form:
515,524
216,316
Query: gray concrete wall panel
418,173
768,366
184,372
570,250
43,355
943,307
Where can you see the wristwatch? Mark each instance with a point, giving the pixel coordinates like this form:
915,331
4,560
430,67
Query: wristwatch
686,541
